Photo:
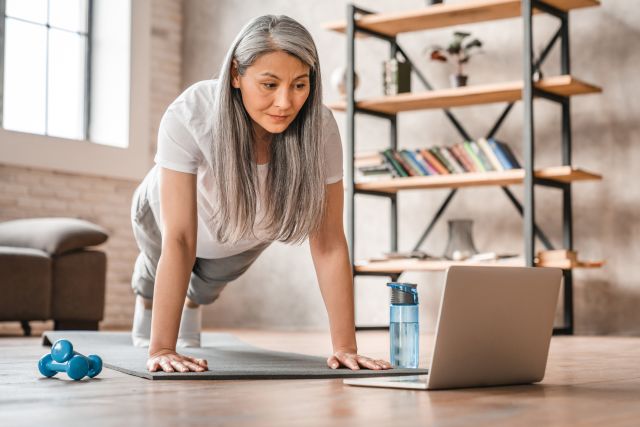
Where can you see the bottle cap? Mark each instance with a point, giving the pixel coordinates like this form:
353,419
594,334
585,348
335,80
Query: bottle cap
403,293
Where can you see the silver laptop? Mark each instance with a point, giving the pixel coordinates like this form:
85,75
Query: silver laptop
494,328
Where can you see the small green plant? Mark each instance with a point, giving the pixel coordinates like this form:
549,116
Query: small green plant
459,51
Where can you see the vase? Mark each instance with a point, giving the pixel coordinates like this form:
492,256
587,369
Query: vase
458,80
339,80
460,245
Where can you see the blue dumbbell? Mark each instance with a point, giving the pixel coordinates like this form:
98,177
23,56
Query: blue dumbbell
62,350
63,359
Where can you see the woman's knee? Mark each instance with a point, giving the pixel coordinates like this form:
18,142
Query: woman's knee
204,293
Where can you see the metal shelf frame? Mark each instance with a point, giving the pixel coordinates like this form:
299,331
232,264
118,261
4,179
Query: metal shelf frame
526,208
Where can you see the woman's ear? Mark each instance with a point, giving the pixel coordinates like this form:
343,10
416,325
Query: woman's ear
235,79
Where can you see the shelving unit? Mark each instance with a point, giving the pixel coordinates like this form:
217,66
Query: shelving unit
558,89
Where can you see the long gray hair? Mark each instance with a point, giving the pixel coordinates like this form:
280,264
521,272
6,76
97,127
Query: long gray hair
295,185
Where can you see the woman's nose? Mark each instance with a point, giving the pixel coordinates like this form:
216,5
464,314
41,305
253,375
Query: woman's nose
283,98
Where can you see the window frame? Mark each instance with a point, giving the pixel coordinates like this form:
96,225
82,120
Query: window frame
84,156
86,119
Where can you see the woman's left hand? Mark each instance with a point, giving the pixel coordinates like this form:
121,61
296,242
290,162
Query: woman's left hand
354,361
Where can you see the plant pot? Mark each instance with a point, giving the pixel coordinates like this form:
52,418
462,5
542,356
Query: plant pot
458,80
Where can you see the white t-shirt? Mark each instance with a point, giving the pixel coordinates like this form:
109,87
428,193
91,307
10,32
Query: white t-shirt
184,145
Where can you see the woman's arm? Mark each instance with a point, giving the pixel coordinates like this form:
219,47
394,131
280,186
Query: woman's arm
330,255
179,235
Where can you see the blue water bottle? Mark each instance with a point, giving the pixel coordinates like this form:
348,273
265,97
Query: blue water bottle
403,325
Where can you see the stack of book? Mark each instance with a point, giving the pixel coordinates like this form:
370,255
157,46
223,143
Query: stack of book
396,77
483,155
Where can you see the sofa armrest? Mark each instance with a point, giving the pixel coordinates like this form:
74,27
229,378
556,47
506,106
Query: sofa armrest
52,235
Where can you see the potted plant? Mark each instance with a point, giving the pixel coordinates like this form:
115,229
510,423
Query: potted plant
459,52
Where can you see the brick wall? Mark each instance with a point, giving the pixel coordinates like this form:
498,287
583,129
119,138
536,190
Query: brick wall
28,193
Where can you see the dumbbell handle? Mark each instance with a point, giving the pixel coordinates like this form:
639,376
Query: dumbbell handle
57,366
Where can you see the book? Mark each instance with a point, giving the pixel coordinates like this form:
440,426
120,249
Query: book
434,162
436,153
486,149
476,161
446,153
412,156
412,254
373,168
511,156
396,76
502,157
397,166
483,159
373,177
462,156
408,169
392,169
406,155
421,159
508,153
407,164
368,158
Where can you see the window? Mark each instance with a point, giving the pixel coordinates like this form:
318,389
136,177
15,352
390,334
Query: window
46,67
104,134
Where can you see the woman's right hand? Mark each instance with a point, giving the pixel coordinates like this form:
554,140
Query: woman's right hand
170,361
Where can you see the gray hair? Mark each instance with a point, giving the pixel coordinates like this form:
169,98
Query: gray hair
295,185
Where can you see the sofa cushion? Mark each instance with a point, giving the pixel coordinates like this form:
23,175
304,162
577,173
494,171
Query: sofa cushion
25,284
78,286
52,235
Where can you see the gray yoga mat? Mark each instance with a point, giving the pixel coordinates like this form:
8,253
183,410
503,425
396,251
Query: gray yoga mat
229,359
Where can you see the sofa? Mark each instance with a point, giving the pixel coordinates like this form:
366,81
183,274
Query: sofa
49,272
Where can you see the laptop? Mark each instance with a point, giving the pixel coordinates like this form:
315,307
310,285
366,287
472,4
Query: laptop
494,328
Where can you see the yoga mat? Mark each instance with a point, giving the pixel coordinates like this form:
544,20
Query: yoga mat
229,359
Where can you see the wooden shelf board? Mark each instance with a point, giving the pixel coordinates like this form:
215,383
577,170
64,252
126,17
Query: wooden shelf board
447,15
399,266
469,95
475,179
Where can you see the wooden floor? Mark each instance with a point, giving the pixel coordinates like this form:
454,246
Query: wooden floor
590,381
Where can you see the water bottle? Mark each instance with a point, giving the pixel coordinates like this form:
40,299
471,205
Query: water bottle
403,325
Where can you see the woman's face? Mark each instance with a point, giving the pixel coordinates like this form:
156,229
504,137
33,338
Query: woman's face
274,89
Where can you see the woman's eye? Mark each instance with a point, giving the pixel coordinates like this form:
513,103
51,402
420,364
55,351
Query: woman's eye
269,85
301,86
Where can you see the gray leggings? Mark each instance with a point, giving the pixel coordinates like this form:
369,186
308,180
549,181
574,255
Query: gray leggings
208,276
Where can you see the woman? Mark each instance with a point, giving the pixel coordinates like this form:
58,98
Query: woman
243,160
